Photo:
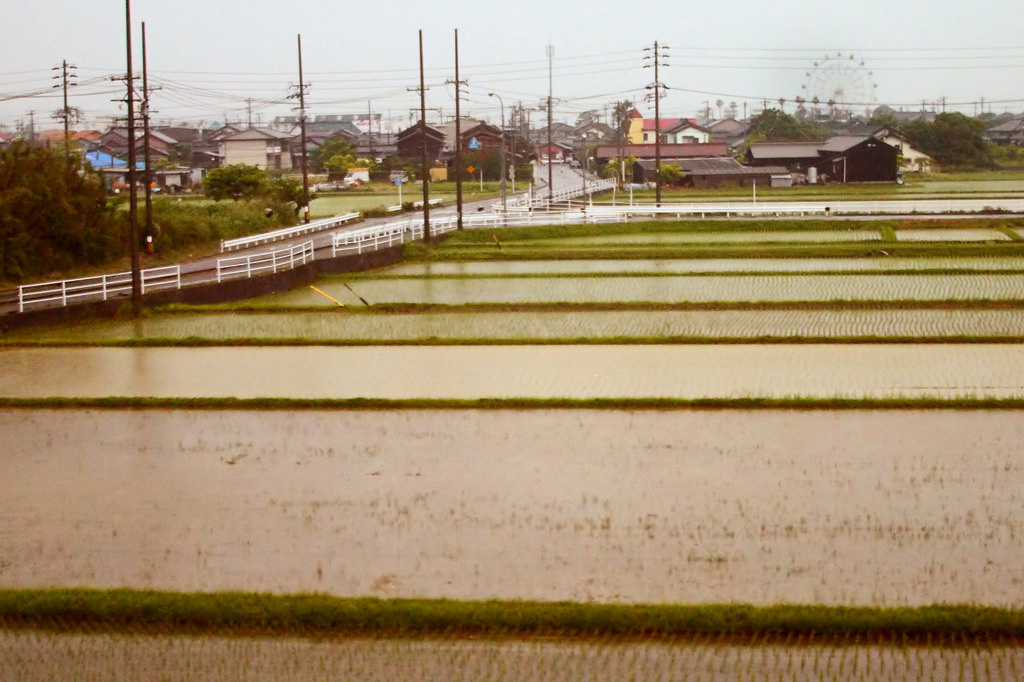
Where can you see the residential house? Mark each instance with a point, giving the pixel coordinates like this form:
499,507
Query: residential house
685,131
557,152
605,153
265,148
591,132
408,143
1010,132
729,130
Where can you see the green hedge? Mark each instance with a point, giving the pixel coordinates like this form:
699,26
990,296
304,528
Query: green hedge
130,610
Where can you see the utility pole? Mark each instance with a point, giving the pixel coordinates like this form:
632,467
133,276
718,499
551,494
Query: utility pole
301,95
65,113
551,185
458,136
369,125
424,170
133,216
148,174
504,170
657,86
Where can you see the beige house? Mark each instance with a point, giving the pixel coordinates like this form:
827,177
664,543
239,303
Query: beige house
262,147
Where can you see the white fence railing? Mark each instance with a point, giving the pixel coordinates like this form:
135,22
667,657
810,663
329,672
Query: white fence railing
288,232
99,287
544,200
264,262
399,232
899,207
727,210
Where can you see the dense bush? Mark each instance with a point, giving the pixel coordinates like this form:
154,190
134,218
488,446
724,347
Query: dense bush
180,224
54,214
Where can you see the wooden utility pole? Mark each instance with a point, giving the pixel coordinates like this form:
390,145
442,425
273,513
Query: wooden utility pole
148,173
657,86
458,138
302,128
133,216
551,184
424,169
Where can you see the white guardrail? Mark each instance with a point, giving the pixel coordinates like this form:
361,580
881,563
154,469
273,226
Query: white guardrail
543,200
287,232
899,207
263,262
398,232
99,287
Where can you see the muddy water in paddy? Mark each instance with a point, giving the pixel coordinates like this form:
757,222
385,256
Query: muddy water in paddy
474,372
849,507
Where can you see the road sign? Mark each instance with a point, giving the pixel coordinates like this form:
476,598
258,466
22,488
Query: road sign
474,143
398,181
470,169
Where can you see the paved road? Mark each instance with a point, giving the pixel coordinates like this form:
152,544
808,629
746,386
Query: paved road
203,269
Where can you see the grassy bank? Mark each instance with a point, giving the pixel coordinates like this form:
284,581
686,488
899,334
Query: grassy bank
242,613
965,402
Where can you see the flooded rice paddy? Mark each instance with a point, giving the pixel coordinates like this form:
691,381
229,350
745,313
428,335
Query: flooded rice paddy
112,658
853,507
663,289
687,372
496,326
773,237
699,265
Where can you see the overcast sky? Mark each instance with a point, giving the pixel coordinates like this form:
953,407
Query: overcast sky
210,58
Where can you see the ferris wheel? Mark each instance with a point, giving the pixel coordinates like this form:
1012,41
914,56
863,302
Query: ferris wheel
840,82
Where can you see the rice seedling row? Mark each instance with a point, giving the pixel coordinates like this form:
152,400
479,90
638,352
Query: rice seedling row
668,289
41,655
629,325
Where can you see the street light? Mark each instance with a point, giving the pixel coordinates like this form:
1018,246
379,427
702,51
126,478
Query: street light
504,171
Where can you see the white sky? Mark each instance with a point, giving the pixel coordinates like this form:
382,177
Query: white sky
209,57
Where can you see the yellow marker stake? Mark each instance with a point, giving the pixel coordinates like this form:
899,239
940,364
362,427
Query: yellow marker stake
327,296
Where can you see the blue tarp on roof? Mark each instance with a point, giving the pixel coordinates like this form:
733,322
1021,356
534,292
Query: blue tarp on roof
103,160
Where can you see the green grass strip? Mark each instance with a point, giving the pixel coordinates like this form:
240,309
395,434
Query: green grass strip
134,611
675,340
805,403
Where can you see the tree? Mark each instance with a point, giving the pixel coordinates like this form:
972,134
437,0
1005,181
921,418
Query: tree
329,149
953,140
775,125
239,181
622,115
338,165
288,191
54,213
588,117
672,174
